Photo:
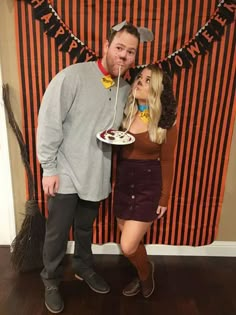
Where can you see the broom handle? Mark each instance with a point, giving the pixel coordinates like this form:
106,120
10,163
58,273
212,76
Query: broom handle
20,139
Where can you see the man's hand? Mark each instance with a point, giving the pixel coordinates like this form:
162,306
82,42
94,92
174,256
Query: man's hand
161,211
50,185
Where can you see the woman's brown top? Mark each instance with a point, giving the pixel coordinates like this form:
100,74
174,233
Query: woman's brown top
144,149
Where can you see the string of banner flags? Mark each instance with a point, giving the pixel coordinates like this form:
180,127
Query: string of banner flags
181,58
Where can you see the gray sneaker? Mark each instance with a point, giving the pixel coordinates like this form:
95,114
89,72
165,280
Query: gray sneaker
53,300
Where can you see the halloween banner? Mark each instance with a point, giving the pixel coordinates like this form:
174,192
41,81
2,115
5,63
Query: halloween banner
194,41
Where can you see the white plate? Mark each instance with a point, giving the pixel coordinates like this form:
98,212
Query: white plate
115,137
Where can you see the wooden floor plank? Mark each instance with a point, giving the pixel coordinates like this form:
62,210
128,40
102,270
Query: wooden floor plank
185,286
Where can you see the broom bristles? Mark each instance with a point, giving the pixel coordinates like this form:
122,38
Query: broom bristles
27,247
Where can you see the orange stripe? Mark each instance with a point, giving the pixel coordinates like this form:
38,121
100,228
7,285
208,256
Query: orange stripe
164,32
161,231
53,57
105,31
202,14
141,23
120,11
128,5
97,23
154,229
60,53
81,19
95,231
156,34
27,94
34,100
112,13
188,23
74,21
89,24
74,17
114,164
148,48
20,77
106,222
172,28
37,30
180,102
67,22
181,228
100,225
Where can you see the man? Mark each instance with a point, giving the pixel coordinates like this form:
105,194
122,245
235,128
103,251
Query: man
77,104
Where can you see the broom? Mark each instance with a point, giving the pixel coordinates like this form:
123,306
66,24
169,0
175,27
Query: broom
27,247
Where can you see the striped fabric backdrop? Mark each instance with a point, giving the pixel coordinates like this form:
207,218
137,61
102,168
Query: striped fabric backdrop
205,96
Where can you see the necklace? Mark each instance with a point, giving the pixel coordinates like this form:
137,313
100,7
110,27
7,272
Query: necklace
143,113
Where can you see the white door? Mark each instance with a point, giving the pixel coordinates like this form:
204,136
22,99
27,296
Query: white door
7,217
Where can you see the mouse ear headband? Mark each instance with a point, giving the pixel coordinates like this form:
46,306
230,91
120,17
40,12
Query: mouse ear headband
146,35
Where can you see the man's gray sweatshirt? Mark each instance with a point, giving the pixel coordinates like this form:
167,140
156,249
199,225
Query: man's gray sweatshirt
75,107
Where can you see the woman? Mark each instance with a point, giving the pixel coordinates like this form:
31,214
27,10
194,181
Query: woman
145,170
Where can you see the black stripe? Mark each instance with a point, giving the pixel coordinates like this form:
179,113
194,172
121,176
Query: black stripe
22,74
124,11
146,59
183,130
174,184
42,57
183,37
154,21
116,9
191,136
31,128
139,10
37,84
198,139
85,22
161,29
71,10
108,15
99,37
93,26
176,26
167,50
63,53
41,46
193,13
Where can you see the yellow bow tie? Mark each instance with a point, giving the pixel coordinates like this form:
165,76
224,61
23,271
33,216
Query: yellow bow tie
107,81
144,115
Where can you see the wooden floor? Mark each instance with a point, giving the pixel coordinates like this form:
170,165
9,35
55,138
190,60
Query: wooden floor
185,286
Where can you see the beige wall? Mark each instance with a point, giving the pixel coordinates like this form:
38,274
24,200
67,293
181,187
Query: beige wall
10,75
227,230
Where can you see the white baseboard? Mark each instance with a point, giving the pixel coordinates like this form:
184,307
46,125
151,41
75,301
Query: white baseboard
217,248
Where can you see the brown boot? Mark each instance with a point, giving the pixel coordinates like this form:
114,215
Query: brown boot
133,288
148,285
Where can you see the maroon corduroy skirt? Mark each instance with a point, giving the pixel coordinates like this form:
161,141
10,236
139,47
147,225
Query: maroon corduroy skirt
137,190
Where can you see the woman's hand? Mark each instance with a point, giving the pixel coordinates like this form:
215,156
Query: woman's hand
161,211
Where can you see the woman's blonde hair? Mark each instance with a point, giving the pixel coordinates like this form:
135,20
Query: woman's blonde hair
157,134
